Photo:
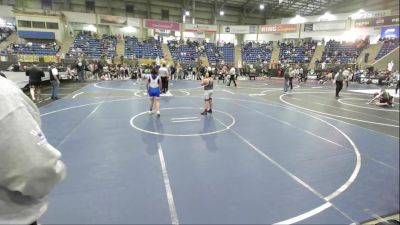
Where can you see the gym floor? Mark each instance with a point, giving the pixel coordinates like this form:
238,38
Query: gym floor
261,157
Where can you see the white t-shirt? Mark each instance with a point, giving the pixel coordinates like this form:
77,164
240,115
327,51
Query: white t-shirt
30,166
232,71
54,71
163,72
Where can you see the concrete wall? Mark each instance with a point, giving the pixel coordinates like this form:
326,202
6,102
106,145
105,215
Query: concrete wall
59,34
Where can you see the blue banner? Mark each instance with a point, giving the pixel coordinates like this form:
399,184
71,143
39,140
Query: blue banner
390,32
36,35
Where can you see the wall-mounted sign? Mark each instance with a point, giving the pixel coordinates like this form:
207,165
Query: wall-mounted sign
380,21
239,29
113,20
162,25
200,28
278,28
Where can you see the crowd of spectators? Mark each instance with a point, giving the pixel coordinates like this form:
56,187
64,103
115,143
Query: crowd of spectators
257,52
85,45
300,52
29,48
388,45
150,48
337,52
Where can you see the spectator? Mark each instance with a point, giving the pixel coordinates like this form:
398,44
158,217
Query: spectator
30,166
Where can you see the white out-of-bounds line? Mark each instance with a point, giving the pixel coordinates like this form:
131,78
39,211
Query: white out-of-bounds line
137,94
331,196
168,190
343,117
76,95
185,92
75,128
307,214
230,92
294,177
378,109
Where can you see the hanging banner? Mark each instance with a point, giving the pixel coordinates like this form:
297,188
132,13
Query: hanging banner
117,20
134,22
278,28
201,28
331,25
380,21
325,26
239,29
162,25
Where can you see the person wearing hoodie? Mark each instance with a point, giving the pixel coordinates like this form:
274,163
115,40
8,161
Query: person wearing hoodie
29,166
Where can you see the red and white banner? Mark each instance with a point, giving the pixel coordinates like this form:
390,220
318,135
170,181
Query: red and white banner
162,25
278,28
200,28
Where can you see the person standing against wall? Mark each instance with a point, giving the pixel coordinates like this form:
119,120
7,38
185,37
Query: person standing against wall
338,80
35,81
55,81
29,166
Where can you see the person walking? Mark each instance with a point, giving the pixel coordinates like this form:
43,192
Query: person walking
29,166
208,85
35,82
232,74
54,81
338,80
154,86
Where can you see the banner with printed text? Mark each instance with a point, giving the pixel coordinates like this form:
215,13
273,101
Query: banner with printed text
162,25
278,28
380,21
234,29
200,28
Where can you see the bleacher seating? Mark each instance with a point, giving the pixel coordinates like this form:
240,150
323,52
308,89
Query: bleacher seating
86,45
256,52
148,49
184,53
388,46
35,49
291,53
336,51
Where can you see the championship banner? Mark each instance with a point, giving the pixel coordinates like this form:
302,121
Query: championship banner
162,25
380,21
200,28
278,28
239,29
